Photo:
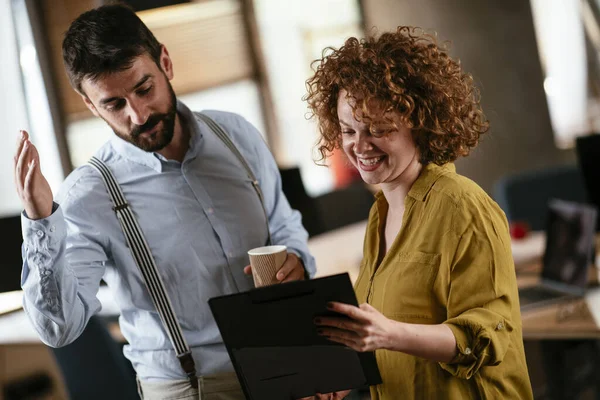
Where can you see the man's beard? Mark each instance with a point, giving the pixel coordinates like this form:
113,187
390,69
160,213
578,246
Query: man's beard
159,139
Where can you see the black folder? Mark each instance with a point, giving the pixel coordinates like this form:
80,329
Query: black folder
273,343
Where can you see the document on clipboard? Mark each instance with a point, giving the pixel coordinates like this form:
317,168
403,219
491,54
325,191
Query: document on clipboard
273,343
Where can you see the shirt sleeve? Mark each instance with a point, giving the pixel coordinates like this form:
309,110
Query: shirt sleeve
285,223
63,264
482,289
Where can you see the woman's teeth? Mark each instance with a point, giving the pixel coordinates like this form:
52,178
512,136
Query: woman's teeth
370,161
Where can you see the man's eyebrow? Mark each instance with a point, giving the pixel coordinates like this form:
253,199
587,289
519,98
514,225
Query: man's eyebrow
142,81
137,85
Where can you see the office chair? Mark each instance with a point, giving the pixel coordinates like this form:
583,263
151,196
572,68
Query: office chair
295,192
94,367
344,206
328,211
524,196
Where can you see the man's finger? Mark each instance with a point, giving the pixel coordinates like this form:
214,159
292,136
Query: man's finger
21,167
28,183
23,136
288,266
20,142
248,270
297,274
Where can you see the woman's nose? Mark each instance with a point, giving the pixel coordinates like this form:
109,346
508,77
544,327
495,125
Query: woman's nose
362,144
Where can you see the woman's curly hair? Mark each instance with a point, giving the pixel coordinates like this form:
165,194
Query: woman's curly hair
404,71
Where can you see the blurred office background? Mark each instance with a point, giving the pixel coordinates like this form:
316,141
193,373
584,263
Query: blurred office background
535,62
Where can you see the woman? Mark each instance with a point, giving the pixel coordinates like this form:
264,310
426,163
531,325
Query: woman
437,283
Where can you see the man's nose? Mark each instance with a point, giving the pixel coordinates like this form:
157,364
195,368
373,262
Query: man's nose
138,113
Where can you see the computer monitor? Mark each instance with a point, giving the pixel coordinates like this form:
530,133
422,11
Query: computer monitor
588,159
11,262
569,244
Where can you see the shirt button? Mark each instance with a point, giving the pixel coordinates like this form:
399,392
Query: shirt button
467,351
230,254
46,272
500,326
39,233
52,228
210,210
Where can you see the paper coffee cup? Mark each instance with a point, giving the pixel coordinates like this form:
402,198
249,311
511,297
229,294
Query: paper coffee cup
265,262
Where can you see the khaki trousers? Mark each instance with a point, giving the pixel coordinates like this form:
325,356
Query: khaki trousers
212,387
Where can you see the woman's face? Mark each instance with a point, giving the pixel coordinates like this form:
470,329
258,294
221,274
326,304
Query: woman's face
381,151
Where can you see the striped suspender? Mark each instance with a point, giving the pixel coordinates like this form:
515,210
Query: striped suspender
144,259
216,128
145,262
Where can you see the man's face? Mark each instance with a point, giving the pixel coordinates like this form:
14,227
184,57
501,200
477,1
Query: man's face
138,103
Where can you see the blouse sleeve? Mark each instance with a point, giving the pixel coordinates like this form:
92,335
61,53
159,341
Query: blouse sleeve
482,292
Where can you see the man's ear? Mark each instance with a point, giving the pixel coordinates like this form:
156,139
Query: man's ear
89,105
165,62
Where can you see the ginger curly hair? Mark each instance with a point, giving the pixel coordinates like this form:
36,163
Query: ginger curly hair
404,71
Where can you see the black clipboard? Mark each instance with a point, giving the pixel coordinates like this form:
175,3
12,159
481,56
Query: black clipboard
273,343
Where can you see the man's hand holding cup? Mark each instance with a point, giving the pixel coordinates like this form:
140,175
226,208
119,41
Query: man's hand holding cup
273,264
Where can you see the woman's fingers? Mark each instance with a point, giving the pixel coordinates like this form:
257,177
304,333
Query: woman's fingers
340,323
349,310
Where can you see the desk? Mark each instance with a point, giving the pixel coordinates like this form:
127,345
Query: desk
337,252
341,251
573,319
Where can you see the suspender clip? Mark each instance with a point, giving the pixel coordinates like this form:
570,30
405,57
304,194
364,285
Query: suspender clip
187,363
120,207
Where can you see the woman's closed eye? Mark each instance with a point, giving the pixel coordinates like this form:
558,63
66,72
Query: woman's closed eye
380,130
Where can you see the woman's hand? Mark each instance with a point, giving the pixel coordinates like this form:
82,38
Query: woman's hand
365,330
328,396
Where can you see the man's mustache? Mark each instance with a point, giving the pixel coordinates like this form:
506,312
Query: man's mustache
152,121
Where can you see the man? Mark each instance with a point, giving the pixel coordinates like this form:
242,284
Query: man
193,200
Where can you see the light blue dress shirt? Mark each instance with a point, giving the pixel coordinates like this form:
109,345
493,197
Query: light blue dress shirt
200,217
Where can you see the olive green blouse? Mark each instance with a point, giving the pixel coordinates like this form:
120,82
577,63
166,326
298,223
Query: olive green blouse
451,263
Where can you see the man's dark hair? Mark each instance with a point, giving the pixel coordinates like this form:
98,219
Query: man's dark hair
104,40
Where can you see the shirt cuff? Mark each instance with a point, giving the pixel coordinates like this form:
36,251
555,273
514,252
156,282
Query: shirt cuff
54,208
42,241
477,346
299,255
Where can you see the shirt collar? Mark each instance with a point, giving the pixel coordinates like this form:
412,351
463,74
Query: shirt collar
428,176
153,159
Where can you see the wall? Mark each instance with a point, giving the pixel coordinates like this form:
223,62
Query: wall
12,110
495,41
293,34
